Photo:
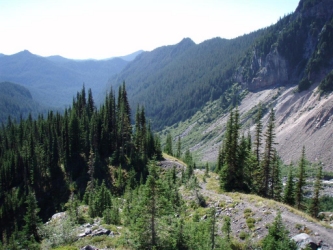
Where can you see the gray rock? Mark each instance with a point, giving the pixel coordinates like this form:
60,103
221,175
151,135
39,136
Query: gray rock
58,216
100,231
81,235
303,240
87,231
88,248
204,217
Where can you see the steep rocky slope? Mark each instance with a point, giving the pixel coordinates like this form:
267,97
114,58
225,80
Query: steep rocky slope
302,119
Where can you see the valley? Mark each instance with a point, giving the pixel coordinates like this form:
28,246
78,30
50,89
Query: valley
224,144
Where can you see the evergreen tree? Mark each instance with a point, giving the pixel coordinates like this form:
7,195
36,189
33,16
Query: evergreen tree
31,218
299,192
226,228
258,133
266,171
289,195
276,185
278,238
231,175
150,208
168,145
179,148
314,204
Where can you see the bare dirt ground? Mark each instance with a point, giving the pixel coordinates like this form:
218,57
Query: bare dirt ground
262,210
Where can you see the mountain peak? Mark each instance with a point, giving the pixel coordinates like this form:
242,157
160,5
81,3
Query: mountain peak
186,42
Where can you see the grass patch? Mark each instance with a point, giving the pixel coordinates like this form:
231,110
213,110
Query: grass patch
250,223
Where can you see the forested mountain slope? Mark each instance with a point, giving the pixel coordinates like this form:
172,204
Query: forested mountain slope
53,80
173,82
17,102
289,69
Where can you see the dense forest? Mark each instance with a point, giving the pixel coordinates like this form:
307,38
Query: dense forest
48,156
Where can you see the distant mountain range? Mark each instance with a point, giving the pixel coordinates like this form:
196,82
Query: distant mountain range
16,101
176,82
54,80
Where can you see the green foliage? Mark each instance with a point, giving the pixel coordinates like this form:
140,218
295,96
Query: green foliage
289,195
189,83
326,203
278,237
299,191
31,218
250,223
168,145
16,101
61,155
226,228
326,85
315,202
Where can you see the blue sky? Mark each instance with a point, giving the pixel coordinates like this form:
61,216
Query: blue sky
98,29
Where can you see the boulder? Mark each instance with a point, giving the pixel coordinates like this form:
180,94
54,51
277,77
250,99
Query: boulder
100,231
58,216
304,240
88,248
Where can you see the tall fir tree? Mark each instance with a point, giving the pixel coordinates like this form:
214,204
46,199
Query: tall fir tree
266,171
258,133
168,145
289,191
299,191
31,218
314,203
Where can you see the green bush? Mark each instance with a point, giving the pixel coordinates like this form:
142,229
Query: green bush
250,222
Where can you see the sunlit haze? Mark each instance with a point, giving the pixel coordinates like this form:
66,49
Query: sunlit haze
105,28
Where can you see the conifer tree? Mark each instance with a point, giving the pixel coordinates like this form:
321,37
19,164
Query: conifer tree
266,171
231,172
314,204
299,192
278,238
226,228
276,184
168,145
179,148
289,195
31,218
258,133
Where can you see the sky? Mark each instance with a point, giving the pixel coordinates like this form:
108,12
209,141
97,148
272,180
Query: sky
98,29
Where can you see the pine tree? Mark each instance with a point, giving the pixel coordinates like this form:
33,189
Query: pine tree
266,171
231,175
226,228
258,133
31,218
314,204
278,238
212,225
179,148
168,145
289,195
299,192
276,185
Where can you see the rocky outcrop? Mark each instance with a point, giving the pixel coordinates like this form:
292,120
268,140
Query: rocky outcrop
270,72
322,9
303,241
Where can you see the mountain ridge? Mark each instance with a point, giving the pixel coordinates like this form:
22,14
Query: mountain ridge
54,81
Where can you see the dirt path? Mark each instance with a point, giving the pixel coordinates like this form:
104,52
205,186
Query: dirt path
264,212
